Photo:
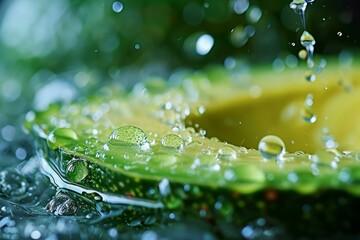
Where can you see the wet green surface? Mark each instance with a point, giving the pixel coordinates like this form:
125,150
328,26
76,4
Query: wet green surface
71,51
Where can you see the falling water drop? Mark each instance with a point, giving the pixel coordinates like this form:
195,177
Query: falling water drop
308,115
307,39
299,6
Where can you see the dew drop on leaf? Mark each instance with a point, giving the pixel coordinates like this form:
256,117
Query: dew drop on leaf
271,147
129,136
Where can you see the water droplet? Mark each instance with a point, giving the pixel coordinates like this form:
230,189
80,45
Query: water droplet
117,7
254,15
8,133
61,204
339,34
226,153
307,39
229,175
137,46
310,59
293,177
310,77
344,176
204,44
172,141
309,100
308,115
164,187
93,196
113,233
240,6
201,109
302,54
271,147
329,141
20,153
35,234
299,6
60,137
202,132
77,170
129,136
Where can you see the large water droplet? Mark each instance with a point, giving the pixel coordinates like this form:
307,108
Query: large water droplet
172,141
60,137
117,7
77,170
129,136
61,204
271,147
307,39
204,44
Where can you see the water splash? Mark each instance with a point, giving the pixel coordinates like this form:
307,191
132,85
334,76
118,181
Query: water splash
60,182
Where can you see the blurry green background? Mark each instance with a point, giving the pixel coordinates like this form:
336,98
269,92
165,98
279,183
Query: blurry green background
59,50
63,50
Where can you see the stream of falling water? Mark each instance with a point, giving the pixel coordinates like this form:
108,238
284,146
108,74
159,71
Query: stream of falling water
308,42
